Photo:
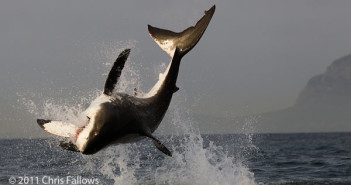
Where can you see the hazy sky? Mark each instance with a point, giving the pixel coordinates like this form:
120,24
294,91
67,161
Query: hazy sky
255,56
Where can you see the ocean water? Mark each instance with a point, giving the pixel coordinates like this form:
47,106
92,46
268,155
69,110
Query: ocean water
323,158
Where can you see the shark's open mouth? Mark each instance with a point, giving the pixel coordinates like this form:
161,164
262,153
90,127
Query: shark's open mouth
80,129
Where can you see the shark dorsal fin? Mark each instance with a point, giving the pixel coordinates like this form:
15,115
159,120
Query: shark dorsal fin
115,72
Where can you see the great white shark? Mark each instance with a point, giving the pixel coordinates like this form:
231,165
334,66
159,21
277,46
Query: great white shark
117,118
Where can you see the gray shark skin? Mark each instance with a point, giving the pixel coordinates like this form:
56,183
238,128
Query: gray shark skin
117,118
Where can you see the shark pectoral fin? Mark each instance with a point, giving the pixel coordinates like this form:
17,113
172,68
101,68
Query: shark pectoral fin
58,128
115,72
69,146
162,147
159,145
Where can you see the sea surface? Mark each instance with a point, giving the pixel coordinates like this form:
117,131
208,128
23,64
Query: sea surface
318,158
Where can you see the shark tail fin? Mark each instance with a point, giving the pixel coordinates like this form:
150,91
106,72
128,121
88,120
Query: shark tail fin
184,40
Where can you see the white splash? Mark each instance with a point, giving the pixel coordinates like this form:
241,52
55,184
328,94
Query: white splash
193,163
118,163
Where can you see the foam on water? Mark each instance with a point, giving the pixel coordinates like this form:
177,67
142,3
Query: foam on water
118,163
192,161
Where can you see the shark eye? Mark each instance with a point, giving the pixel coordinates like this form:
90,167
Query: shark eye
86,123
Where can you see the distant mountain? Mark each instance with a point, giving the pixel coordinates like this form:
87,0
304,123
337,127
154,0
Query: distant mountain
323,105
